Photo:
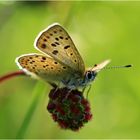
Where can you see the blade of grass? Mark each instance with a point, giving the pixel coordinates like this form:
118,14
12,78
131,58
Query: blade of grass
37,93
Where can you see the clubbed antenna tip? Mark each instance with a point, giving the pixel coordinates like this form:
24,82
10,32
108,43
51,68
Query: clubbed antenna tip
128,66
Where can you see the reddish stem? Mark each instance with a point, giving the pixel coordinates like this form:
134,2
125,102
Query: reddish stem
12,74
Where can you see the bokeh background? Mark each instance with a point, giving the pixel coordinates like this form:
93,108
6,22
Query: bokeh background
100,30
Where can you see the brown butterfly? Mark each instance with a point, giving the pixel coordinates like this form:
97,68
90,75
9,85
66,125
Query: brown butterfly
60,61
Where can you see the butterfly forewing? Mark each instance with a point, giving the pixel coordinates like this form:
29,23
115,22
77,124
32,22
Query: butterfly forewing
56,42
44,67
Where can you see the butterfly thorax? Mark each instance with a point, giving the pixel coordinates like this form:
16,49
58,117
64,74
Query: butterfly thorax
77,81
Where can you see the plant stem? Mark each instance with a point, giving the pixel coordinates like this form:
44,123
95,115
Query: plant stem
37,93
11,75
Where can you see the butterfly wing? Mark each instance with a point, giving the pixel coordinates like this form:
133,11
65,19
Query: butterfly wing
56,42
43,67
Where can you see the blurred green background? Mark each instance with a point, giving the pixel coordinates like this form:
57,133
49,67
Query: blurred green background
100,30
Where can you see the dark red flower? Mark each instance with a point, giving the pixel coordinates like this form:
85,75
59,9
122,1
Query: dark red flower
69,108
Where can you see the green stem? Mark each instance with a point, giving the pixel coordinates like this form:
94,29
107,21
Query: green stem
37,93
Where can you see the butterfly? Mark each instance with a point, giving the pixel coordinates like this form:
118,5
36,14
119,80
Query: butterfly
60,61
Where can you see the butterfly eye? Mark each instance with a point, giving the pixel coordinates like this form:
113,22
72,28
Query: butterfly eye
89,74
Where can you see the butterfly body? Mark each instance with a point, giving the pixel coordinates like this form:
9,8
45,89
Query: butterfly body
76,81
60,61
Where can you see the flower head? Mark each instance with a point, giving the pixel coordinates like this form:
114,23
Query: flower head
69,108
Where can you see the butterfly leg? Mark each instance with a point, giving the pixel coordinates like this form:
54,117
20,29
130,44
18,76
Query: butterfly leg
89,87
53,85
83,90
56,87
88,91
68,93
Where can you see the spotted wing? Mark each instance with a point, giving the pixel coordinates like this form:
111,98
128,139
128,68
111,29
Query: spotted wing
43,67
56,42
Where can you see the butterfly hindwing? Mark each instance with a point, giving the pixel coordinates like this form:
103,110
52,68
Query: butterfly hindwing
44,67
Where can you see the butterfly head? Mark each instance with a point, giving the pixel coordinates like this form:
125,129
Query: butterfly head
91,73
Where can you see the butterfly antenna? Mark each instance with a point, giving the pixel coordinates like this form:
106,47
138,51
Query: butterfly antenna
116,67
